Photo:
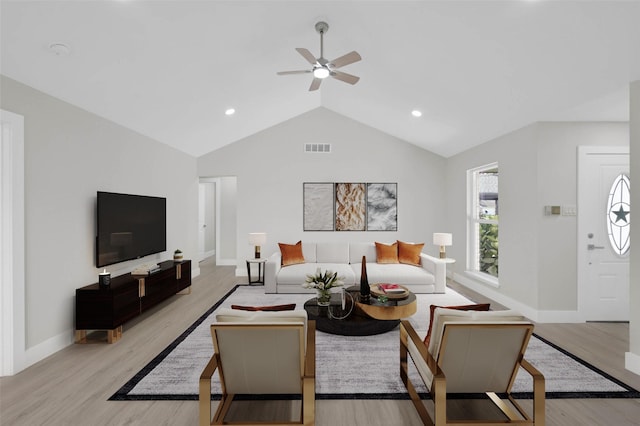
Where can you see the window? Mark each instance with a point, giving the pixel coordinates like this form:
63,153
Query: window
618,215
483,212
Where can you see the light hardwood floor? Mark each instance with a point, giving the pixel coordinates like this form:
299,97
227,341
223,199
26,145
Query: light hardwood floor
72,386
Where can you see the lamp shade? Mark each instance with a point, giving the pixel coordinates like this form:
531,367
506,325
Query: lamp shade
442,239
257,238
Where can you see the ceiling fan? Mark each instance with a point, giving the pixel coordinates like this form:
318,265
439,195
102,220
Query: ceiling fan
321,68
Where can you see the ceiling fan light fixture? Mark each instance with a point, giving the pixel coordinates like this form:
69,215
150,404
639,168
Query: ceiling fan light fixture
321,72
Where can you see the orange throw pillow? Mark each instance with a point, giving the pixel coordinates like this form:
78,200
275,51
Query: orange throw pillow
477,307
291,253
287,307
386,253
409,253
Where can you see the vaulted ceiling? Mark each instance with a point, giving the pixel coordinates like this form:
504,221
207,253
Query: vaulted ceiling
475,69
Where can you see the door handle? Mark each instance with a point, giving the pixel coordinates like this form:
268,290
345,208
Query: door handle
593,247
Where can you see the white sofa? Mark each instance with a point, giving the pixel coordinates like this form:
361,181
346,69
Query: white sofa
346,259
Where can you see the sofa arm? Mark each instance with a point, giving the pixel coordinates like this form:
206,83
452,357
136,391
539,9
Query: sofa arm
438,268
271,269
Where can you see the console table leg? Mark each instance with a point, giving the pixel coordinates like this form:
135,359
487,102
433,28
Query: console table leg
114,335
81,336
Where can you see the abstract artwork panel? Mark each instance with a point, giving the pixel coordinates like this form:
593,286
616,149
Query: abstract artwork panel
318,206
350,207
382,206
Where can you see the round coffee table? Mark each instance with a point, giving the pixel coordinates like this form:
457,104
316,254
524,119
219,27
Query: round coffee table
360,322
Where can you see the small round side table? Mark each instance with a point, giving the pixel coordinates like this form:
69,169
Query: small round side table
261,264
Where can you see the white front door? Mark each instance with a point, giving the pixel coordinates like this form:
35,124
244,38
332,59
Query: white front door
603,272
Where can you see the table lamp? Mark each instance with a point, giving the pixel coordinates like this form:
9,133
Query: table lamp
442,239
257,239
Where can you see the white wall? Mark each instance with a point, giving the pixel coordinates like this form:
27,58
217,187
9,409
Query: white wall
228,211
515,154
271,167
69,155
557,185
537,252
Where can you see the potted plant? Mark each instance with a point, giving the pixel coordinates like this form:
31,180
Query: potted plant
177,255
323,283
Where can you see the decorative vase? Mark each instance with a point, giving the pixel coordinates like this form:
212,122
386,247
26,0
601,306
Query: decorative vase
365,291
324,297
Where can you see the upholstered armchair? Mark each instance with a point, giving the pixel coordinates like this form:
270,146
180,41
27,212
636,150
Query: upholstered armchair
260,353
477,353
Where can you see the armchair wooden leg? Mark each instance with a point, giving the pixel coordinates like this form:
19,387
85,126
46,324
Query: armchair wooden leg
404,375
204,402
223,407
439,390
204,394
538,393
308,402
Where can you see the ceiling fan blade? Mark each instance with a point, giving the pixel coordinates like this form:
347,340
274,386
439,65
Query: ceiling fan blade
315,84
293,72
343,76
307,55
347,59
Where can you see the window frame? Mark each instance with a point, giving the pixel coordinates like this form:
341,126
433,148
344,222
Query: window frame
473,225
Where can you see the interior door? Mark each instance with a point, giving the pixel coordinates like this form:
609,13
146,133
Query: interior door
603,268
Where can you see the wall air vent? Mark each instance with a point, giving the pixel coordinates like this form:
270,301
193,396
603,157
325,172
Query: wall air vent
315,148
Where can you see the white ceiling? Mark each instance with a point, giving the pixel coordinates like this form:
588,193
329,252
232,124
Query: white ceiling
476,69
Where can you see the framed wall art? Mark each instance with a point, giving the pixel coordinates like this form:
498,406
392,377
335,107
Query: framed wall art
351,207
347,206
318,207
382,207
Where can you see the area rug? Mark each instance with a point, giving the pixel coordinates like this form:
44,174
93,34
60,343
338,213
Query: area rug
173,374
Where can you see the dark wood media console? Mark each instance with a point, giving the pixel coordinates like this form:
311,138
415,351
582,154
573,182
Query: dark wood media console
108,308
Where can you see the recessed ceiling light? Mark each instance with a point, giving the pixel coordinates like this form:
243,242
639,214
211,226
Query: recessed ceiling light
60,49
230,111
416,113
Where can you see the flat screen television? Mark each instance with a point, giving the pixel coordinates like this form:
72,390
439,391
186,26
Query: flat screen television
129,227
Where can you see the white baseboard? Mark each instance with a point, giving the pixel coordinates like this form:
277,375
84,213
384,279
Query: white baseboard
568,317
48,347
56,343
526,310
225,262
195,271
632,362
206,255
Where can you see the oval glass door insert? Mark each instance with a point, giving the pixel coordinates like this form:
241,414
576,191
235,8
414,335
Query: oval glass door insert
619,215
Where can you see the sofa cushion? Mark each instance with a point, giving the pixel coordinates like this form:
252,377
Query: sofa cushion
291,253
432,309
444,315
386,253
233,315
309,252
395,274
296,274
332,252
409,253
357,250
